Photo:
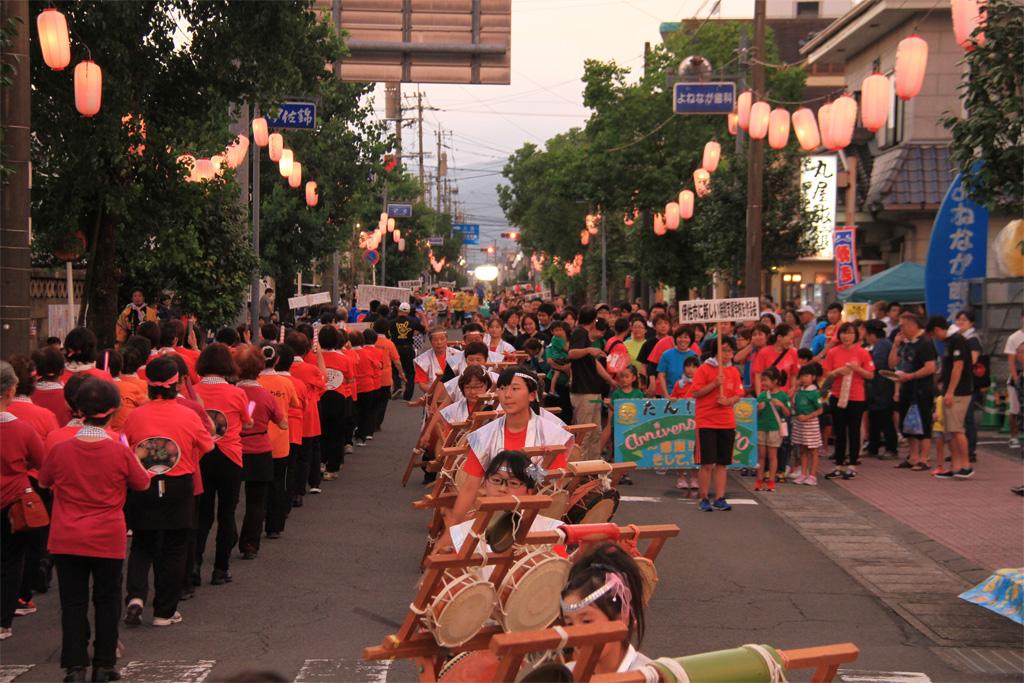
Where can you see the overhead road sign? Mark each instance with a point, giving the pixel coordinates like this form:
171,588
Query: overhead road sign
704,98
470,232
294,115
400,210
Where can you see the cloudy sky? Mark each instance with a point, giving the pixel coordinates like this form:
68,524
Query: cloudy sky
550,41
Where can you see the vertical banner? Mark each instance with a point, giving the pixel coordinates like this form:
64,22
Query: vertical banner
957,251
662,433
845,247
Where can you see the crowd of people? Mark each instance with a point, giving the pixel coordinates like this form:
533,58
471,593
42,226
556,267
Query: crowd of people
154,440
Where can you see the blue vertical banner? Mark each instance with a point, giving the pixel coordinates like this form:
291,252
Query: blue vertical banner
957,251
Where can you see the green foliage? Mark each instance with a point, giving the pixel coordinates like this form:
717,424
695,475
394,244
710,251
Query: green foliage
633,154
991,91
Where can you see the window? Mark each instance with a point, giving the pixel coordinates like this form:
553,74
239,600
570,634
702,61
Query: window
808,9
892,134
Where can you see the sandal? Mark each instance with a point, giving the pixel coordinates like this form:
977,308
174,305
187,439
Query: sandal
920,467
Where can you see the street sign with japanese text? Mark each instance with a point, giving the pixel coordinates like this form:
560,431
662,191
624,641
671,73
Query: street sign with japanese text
662,433
957,251
435,241
703,98
470,232
716,310
818,178
294,115
400,210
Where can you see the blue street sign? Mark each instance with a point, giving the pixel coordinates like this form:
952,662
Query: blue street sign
371,256
704,98
470,232
400,210
435,241
295,115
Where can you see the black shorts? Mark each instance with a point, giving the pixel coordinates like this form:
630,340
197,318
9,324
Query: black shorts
714,446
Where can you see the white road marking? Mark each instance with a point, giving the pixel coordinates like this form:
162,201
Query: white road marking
640,499
330,670
8,672
688,501
853,676
178,670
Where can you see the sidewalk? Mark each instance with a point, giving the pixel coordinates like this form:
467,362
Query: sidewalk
977,518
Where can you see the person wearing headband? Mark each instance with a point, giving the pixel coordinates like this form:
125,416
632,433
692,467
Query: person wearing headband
283,391
605,585
49,392
80,351
520,427
168,439
89,476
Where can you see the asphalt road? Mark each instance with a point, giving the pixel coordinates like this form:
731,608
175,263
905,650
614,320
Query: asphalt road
342,576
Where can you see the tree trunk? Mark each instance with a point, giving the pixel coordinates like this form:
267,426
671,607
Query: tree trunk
285,283
102,300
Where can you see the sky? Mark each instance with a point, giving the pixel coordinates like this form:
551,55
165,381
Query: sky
550,41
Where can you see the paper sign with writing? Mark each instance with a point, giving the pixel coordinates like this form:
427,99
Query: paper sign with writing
367,293
714,310
410,284
661,433
298,302
319,298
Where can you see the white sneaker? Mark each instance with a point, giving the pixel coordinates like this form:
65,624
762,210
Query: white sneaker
1014,443
799,479
314,490
176,618
810,481
6,633
348,449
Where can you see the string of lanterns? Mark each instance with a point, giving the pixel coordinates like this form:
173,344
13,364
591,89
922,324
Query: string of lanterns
55,44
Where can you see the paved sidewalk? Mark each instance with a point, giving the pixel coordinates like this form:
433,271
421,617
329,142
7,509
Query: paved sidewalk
978,518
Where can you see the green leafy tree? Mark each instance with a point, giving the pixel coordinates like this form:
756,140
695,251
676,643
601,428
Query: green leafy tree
992,93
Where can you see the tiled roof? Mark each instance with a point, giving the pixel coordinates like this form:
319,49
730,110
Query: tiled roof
910,175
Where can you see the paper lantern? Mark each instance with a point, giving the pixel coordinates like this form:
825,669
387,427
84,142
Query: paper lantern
295,177
733,122
391,225
825,124
672,216
312,198
286,162
967,16
584,237
189,162
874,101
702,182
686,204
743,105
778,128
276,145
911,62
712,153
659,225
401,244
760,115
397,235
843,120
88,88
259,132
202,169
217,160
806,129
236,151
53,39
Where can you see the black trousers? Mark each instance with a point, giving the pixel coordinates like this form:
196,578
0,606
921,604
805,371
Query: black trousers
366,413
314,458
166,551
881,431
383,398
222,480
846,430
279,501
73,573
335,420
12,565
190,548
36,573
295,461
407,354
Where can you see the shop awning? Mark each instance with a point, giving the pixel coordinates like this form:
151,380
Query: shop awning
903,283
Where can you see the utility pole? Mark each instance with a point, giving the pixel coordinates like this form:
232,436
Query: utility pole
254,294
15,257
440,170
419,130
755,166
335,255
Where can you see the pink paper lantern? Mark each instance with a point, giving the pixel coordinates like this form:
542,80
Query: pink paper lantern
686,204
672,216
825,124
843,121
778,128
53,39
312,198
733,122
88,88
760,114
968,16
806,129
259,132
911,63
295,177
276,146
712,154
702,182
743,105
874,101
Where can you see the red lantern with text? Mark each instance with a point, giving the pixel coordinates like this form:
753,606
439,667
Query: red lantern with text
286,162
672,216
276,145
686,204
806,129
743,104
88,88
968,16
259,132
733,122
760,115
778,128
844,118
874,101
295,177
911,63
312,198
712,154
702,182
53,39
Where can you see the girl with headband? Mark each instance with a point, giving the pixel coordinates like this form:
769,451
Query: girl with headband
80,350
168,439
90,475
520,427
605,585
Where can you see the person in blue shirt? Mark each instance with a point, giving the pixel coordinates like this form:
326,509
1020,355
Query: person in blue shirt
670,365
818,345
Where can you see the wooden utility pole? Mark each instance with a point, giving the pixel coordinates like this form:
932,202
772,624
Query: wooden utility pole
15,257
755,165
419,127
440,169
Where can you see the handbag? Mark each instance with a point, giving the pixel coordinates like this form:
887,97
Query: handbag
783,424
912,423
28,512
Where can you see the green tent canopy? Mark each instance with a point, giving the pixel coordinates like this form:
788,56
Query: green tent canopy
903,283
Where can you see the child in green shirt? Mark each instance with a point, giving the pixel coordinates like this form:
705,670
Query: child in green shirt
806,429
772,411
627,378
557,354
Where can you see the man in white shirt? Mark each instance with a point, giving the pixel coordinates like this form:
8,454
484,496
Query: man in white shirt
1014,351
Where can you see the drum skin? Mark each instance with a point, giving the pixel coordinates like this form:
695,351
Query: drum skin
592,505
529,596
470,667
460,609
